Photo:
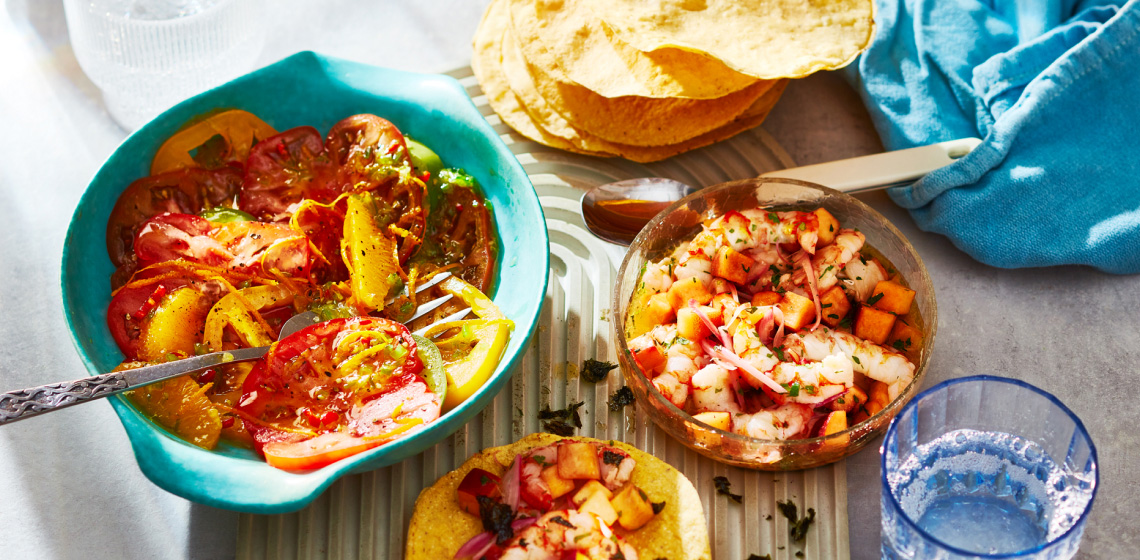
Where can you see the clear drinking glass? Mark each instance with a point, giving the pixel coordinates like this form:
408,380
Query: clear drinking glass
147,55
986,467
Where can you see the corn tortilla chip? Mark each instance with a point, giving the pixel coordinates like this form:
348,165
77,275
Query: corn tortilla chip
438,527
567,40
763,38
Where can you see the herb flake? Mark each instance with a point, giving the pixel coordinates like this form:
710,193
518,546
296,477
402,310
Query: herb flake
595,371
723,486
797,526
621,398
561,422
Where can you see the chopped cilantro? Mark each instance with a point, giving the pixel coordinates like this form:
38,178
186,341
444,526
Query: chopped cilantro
772,217
871,300
561,521
657,507
856,360
779,350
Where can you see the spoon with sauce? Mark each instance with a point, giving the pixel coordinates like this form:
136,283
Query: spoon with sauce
617,211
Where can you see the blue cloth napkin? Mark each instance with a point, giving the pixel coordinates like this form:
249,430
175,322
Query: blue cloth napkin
1053,88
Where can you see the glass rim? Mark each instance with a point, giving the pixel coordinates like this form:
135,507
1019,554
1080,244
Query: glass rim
892,435
853,430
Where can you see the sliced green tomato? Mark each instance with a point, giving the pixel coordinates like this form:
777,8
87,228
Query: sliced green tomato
226,215
423,158
434,372
469,367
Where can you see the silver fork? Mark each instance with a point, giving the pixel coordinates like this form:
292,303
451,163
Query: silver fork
33,401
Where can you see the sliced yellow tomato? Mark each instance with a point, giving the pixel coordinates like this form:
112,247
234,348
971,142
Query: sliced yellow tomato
369,252
471,356
174,326
238,129
232,311
479,303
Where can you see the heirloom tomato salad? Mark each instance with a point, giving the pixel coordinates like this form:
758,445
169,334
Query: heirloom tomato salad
776,325
240,227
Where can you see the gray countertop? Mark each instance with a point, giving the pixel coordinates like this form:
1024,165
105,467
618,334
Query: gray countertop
69,486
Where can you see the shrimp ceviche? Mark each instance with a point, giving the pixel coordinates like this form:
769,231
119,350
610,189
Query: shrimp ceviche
240,227
776,325
557,498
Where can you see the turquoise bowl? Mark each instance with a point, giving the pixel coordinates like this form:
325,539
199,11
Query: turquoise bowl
308,89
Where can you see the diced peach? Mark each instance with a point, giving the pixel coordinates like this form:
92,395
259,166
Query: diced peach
719,420
658,311
834,423
632,507
905,339
684,290
578,460
761,299
834,305
649,359
873,325
852,400
799,311
588,489
878,399
892,297
828,226
597,504
690,325
731,265
478,482
558,486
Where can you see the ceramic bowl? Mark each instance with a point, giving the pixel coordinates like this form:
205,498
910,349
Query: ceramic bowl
307,89
680,222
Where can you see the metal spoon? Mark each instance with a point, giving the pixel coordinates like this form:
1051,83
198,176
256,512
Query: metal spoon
617,211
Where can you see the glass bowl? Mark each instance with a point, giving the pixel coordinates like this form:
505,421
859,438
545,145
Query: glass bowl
680,222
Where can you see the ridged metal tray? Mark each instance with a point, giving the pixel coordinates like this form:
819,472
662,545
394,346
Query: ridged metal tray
365,517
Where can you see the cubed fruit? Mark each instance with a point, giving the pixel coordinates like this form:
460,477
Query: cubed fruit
762,299
799,311
721,286
834,305
690,325
873,325
834,423
478,482
632,507
828,226
718,420
878,398
892,297
558,486
578,461
598,505
905,339
649,359
731,265
684,290
572,555
851,400
588,489
657,310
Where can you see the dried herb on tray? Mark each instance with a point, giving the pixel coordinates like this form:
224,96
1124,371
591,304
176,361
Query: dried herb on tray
595,371
723,486
797,526
758,557
621,398
561,422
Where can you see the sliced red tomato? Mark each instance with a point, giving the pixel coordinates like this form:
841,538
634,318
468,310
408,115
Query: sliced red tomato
324,226
366,150
304,386
464,234
283,169
170,236
128,310
187,191
248,247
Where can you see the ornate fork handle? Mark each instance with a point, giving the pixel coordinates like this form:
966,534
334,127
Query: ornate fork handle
25,403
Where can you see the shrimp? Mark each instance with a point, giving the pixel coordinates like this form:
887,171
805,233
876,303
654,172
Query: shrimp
615,466
833,369
877,362
658,276
781,423
712,390
827,263
783,227
672,389
697,266
567,530
862,273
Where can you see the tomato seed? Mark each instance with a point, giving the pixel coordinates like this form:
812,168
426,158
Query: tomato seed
207,376
228,422
330,417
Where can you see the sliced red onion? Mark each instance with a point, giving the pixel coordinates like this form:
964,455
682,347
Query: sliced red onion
767,323
750,369
476,547
735,295
522,523
779,317
723,336
511,482
813,284
830,399
734,381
